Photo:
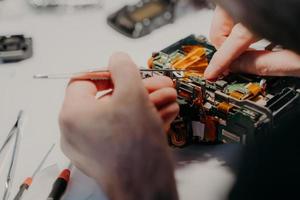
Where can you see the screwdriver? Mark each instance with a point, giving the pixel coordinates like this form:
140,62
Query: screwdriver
60,185
98,74
27,182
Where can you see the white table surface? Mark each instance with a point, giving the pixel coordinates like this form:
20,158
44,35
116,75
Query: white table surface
77,40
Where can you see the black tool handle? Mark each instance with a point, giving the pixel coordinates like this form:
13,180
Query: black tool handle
23,187
58,189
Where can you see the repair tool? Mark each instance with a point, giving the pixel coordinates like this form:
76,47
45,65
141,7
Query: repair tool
27,182
10,135
16,128
60,185
97,74
56,4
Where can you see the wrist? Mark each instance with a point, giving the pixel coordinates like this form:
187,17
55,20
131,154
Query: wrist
148,178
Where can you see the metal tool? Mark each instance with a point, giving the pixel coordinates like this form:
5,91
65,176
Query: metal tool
16,128
51,4
8,138
27,182
97,74
60,185
11,133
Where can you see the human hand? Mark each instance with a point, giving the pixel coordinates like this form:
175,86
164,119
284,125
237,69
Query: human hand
119,139
163,95
233,41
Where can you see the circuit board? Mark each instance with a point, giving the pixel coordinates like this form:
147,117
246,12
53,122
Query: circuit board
237,108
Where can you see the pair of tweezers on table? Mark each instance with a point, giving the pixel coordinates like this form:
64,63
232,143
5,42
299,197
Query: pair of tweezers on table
98,74
15,131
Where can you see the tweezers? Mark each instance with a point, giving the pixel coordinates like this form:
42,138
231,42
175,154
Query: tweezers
14,131
11,132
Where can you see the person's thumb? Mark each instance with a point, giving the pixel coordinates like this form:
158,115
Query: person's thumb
266,63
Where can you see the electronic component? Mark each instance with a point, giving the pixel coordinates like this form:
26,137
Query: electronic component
15,48
141,19
236,108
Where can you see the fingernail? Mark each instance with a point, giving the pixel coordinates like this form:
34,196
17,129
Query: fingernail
208,72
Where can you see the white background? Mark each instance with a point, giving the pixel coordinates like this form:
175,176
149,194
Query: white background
72,40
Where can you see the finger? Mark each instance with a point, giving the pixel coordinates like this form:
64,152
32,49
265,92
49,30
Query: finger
169,113
266,63
125,76
221,27
157,82
163,96
93,76
237,42
86,88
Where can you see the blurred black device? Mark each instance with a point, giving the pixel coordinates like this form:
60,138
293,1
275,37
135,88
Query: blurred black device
142,18
15,48
203,3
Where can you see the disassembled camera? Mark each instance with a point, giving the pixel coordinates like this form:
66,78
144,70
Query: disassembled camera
236,108
141,19
15,48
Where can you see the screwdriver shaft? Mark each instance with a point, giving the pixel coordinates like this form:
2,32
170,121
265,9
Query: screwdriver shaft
27,182
42,161
96,74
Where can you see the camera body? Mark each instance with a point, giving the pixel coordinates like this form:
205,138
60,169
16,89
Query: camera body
238,108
